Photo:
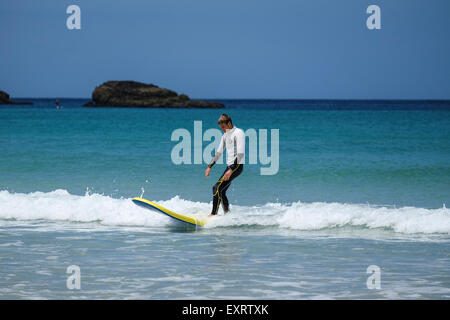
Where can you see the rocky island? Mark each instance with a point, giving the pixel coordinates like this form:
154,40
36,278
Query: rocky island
4,99
137,94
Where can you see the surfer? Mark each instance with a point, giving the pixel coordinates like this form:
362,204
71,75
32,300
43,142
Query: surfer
234,140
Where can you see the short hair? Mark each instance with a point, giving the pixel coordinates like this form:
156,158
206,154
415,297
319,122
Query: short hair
224,118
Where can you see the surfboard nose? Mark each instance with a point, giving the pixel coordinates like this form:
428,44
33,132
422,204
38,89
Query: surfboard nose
189,219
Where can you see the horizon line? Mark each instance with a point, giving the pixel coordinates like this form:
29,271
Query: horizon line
301,99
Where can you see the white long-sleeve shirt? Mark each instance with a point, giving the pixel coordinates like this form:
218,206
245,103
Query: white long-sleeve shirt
234,140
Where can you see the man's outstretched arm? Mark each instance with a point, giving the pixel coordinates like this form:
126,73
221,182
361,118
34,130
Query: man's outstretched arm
218,153
240,150
237,161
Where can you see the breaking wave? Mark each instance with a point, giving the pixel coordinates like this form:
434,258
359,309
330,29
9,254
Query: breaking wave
60,205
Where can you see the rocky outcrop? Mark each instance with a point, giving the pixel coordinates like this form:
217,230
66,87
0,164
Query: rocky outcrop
4,99
137,94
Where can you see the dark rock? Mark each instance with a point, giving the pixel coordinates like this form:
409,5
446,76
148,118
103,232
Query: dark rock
137,94
89,104
4,99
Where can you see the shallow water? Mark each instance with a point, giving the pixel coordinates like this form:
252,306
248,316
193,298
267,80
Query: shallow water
217,263
355,188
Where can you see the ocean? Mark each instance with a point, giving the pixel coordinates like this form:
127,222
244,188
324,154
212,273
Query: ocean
360,186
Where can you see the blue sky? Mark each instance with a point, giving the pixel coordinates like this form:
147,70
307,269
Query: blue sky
229,49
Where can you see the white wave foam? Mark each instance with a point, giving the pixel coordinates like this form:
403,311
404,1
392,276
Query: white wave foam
59,205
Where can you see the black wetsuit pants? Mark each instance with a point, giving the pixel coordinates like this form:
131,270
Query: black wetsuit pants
220,189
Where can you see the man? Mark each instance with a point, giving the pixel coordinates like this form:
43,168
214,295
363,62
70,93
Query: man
234,140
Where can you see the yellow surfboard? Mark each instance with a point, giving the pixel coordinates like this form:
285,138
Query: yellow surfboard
189,219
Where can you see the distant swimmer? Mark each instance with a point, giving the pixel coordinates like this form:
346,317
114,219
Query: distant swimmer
234,140
57,104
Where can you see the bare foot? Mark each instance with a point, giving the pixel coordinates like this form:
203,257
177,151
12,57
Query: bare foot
211,215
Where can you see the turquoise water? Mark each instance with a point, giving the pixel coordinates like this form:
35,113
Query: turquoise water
354,188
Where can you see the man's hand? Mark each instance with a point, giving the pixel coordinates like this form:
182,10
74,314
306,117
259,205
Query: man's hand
207,172
227,175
